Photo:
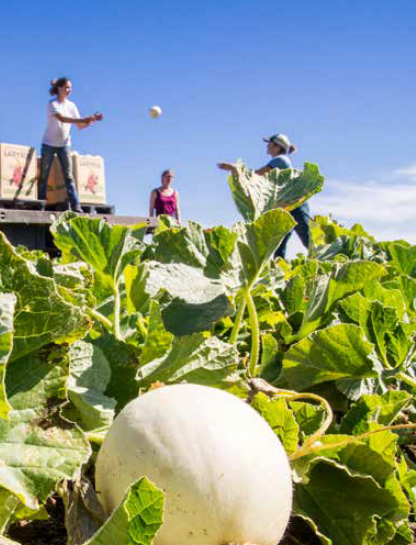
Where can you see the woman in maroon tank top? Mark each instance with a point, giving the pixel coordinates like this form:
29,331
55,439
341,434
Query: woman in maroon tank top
164,199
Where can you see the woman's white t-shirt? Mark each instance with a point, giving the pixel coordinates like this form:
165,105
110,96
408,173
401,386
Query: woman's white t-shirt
57,133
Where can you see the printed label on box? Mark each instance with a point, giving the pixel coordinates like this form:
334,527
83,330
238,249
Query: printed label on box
18,172
89,177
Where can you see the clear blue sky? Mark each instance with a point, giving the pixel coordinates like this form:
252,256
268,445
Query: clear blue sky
336,76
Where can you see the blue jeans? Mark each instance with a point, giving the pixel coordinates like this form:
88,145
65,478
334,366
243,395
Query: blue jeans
301,216
64,157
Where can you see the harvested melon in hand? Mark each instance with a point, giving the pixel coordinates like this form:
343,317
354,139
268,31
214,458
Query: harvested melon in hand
224,471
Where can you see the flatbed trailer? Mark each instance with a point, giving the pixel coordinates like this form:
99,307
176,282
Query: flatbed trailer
30,228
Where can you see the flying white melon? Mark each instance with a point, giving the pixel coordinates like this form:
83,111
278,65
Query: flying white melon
155,111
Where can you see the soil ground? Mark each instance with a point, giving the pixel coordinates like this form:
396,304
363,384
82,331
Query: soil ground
43,532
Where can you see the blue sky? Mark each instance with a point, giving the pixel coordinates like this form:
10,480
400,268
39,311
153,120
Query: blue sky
336,76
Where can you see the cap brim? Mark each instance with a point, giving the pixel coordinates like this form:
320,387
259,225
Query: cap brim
266,140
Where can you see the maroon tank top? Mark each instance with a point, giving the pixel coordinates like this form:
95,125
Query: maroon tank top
165,204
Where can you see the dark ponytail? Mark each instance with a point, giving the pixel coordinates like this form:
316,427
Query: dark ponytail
291,149
56,83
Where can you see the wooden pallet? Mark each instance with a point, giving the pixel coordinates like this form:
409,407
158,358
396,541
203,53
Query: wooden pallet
86,208
57,207
98,208
20,204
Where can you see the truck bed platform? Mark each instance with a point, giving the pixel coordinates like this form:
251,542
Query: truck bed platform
31,227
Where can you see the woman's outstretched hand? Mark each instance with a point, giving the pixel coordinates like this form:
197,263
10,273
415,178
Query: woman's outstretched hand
90,120
227,166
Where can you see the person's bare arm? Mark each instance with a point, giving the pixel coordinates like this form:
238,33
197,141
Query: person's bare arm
75,120
229,167
82,122
263,170
152,203
178,213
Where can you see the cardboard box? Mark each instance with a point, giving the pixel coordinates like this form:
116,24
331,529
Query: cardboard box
89,178
18,172
56,189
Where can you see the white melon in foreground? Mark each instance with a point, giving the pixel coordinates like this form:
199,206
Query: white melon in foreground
225,473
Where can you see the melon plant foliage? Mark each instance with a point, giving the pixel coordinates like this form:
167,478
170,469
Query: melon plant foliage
322,347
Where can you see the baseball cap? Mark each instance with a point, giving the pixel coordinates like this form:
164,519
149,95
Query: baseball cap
280,140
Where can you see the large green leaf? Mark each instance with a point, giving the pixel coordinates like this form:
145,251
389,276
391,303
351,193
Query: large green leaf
340,505
308,417
90,375
372,458
404,535
393,339
135,278
294,295
382,409
37,383
384,442
37,447
212,251
107,248
364,457
407,287
12,510
324,291
339,351
333,241
166,222
42,315
192,245
353,388
387,294
197,301
158,340
280,418
270,357
257,241
136,520
198,268
407,479
9,503
402,256
197,359
198,275
327,229
123,360
194,267
74,282
7,305
254,194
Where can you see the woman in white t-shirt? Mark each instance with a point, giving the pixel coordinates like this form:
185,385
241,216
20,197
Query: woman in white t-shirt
62,113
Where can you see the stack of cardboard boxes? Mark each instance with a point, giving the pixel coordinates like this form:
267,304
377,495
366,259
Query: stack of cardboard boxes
20,168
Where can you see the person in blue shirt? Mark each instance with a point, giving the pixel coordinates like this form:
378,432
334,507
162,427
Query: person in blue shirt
279,148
